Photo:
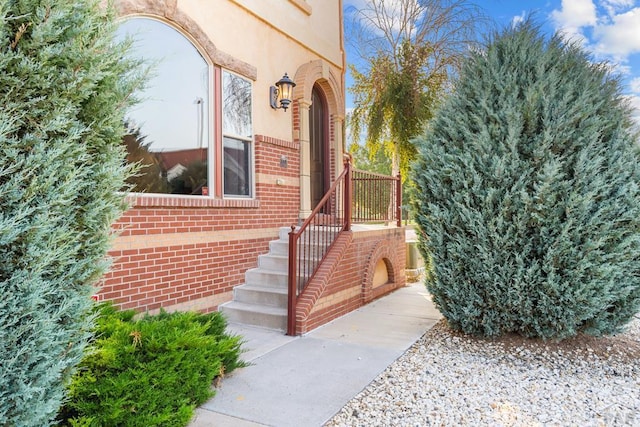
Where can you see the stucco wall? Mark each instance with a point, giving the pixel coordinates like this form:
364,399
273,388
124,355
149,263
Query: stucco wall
260,40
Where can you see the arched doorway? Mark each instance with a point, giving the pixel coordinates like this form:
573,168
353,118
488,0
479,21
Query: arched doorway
320,89
319,146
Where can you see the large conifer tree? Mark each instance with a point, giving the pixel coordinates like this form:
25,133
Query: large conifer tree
528,193
63,87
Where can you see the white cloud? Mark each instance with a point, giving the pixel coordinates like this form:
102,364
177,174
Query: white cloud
386,16
614,6
573,16
609,28
621,38
622,69
351,7
518,18
619,3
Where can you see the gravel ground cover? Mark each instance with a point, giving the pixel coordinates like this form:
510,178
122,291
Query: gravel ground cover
449,379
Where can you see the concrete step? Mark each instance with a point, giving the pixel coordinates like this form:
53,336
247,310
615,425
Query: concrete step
318,229
279,247
263,295
263,277
283,233
273,262
256,315
262,300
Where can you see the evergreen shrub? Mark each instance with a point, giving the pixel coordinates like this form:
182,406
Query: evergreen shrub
528,199
64,86
149,372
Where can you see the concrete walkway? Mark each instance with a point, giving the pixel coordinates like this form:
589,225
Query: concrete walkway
304,381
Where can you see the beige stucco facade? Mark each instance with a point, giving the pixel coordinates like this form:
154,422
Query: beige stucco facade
261,40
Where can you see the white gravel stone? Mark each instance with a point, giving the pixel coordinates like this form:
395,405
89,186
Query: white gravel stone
449,380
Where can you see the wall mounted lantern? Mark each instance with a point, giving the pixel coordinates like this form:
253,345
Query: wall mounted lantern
281,92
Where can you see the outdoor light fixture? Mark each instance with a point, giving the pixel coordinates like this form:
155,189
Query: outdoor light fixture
282,92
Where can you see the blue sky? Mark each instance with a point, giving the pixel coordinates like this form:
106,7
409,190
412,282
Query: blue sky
610,29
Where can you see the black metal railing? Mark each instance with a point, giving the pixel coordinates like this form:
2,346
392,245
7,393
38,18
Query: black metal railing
376,198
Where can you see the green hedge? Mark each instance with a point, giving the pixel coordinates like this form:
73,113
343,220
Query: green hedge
528,193
149,372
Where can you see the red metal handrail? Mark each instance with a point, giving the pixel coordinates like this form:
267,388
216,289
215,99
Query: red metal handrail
309,243
355,196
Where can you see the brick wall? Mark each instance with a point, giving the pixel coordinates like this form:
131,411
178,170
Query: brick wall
340,288
188,252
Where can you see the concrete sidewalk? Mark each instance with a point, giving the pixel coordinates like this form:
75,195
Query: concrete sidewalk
304,381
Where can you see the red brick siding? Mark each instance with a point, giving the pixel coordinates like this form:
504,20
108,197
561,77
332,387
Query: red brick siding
142,221
175,249
340,290
150,278
275,197
268,154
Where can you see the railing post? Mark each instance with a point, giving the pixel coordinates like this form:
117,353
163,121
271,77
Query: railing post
347,195
399,200
292,282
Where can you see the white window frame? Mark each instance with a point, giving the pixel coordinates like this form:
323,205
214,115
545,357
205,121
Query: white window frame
250,140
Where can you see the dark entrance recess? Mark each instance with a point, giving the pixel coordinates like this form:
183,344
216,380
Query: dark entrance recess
319,147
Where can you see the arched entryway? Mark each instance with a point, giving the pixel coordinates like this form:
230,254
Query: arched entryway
320,108
319,146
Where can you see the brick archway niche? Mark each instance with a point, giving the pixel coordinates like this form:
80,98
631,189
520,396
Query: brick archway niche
380,276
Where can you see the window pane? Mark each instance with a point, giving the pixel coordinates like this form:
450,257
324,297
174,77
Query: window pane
236,93
168,132
237,164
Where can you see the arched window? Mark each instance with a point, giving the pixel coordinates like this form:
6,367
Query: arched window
169,130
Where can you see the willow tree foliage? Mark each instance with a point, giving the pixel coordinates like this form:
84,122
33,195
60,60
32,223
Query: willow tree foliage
408,51
528,193
63,87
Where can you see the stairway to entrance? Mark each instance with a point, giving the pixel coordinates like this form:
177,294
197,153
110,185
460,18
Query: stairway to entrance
262,299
